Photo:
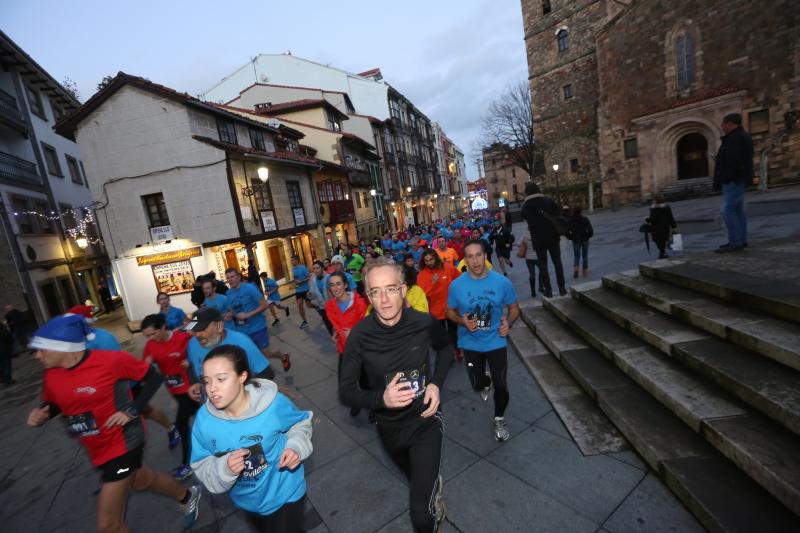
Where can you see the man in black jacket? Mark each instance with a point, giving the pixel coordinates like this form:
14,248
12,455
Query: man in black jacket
539,211
733,173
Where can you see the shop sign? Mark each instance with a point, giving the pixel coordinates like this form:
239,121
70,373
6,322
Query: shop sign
169,257
174,278
161,234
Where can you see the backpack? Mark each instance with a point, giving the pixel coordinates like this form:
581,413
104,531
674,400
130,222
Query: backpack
559,222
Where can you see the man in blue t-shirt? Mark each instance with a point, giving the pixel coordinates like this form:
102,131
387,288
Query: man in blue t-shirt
301,277
273,297
477,302
246,306
211,298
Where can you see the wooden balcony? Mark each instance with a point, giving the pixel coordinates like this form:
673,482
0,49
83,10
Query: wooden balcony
339,211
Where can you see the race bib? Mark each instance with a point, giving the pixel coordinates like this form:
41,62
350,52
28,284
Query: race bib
415,379
82,425
174,381
255,462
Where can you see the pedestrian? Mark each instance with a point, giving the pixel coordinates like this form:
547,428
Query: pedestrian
541,213
16,322
105,296
319,293
477,301
434,279
579,231
167,350
301,277
662,224
84,387
198,297
174,316
392,345
733,173
526,252
249,440
273,298
503,241
220,286
352,264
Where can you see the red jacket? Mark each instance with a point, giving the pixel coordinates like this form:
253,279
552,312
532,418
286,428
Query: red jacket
347,320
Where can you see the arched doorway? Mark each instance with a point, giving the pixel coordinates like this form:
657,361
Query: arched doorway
692,152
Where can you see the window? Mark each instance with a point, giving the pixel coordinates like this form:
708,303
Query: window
227,131
74,171
563,40
759,121
573,165
83,173
58,113
27,222
567,92
155,209
51,159
35,101
514,173
333,121
684,61
261,195
296,202
631,148
545,7
358,199
24,221
257,139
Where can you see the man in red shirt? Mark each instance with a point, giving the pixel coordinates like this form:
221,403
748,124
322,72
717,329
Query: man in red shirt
89,388
167,349
435,278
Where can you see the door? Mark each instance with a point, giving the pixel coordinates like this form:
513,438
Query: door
231,261
66,292
51,299
692,156
276,262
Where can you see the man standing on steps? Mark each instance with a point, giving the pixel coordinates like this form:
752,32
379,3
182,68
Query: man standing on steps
476,302
539,211
392,345
733,173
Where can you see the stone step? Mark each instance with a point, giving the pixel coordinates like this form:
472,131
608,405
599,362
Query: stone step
770,337
662,439
556,337
780,299
691,400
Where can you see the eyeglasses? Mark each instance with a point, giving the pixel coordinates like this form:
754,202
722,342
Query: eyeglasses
391,290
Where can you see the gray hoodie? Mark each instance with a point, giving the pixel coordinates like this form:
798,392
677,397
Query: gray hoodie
213,471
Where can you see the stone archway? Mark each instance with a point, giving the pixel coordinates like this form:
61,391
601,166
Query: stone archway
689,129
692,154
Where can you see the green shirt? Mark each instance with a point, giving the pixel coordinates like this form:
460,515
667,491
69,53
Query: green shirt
353,265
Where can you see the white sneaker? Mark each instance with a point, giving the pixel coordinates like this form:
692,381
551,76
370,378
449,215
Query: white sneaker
191,509
501,433
485,392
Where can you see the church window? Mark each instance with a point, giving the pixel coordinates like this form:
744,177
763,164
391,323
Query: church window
563,40
684,61
631,148
545,7
567,91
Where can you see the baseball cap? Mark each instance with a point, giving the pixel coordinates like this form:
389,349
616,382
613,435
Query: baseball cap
337,259
202,318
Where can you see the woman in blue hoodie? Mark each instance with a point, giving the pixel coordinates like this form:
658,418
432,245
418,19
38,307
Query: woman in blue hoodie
250,440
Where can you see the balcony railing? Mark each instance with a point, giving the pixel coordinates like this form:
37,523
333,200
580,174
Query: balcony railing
11,113
340,211
15,168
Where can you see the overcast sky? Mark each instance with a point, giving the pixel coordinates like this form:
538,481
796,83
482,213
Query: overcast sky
450,57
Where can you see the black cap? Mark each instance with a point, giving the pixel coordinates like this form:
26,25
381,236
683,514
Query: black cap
202,318
733,118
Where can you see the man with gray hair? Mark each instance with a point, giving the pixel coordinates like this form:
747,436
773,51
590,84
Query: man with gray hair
733,173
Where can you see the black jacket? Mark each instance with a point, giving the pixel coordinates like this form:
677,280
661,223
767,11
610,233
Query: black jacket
734,161
502,238
661,221
579,229
543,234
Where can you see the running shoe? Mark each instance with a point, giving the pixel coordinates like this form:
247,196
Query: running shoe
181,472
439,509
275,322
501,433
487,388
286,309
286,361
191,509
174,437
303,324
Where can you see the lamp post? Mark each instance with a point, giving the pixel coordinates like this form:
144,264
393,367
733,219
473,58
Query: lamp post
82,242
263,174
558,189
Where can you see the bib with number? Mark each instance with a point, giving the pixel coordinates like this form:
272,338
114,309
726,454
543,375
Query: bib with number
255,463
81,425
416,379
173,381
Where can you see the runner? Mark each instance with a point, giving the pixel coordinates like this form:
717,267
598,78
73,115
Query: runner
246,307
273,297
435,278
250,440
352,264
301,277
174,316
447,255
476,302
83,386
167,349
318,292
503,241
211,297
392,346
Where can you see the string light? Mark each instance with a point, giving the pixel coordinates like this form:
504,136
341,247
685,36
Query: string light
82,216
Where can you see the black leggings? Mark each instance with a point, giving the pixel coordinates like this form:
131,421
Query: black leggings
325,320
287,519
186,409
498,368
452,330
415,445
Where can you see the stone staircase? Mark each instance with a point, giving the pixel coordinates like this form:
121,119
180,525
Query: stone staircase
688,188
697,364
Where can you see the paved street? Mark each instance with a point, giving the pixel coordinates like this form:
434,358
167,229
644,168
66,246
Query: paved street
537,481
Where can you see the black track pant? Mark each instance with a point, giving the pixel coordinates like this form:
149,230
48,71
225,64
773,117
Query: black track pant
186,409
544,273
452,330
498,368
287,519
415,446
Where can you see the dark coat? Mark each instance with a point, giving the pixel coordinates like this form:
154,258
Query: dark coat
734,161
502,238
543,234
661,221
579,229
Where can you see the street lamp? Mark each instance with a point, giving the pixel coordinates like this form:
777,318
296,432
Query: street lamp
373,192
82,242
263,174
408,189
558,189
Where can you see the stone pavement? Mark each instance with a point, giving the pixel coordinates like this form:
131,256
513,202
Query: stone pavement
537,481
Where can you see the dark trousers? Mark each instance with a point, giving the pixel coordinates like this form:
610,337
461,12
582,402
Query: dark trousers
324,316
108,304
186,409
452,330
580,251
554,250
415,446
531,264
287,519
5,366
498,368
662,248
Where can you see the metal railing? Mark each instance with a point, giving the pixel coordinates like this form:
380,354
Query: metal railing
16,168
10,109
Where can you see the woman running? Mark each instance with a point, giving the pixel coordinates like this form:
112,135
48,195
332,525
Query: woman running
249,440
174,316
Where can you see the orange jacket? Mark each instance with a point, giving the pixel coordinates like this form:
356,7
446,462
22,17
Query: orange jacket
347,320
437,290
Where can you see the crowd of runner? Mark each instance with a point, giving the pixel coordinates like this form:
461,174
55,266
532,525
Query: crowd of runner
400,310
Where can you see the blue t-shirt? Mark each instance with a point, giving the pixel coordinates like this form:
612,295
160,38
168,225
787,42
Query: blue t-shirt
270,285
195,353
485,298
262,487
218,302
351,282
174,317
427,237
417,255
243,299
103,340
386,244
300,272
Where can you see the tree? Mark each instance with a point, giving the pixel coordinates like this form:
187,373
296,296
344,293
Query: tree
507,129
71,87
105,81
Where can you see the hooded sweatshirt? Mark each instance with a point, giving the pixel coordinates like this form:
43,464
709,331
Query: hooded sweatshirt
271,424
